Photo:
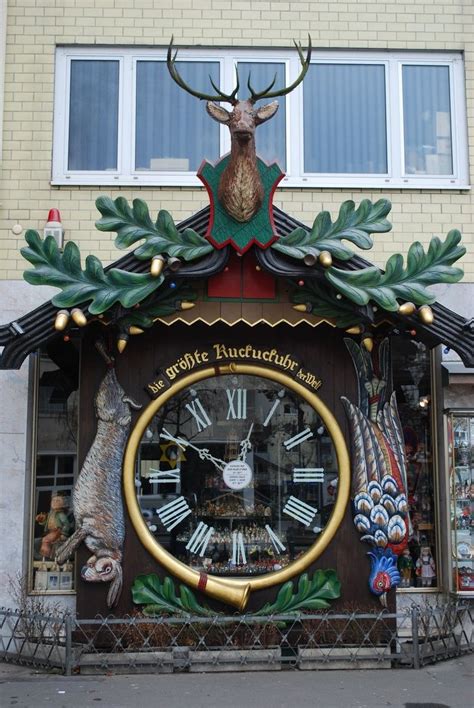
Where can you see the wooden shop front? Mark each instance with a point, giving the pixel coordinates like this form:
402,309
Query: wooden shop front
253,398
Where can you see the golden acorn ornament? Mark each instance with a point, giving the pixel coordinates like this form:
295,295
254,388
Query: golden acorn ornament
78,317
325,259
62,318
368,342
135,330
157,265
301,307
357,329
407,308
186,305
425,313
122,342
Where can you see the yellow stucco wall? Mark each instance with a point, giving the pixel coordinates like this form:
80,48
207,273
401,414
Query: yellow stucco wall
36,27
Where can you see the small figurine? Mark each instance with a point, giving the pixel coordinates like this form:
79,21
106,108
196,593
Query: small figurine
406,567
425,567
57,525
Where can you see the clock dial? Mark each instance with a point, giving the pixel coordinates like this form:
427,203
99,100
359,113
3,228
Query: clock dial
256,481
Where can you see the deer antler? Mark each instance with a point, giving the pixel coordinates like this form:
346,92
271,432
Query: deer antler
266,93
219,96
232,97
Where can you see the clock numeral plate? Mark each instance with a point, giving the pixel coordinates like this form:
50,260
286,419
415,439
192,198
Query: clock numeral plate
277,544
200,539
238,549
173,513
308,474
237,398
298,438
299,510
199,414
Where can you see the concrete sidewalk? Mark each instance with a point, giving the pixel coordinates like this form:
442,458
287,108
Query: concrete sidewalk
445,685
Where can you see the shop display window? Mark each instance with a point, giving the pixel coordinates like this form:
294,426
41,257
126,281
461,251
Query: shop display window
461,454
54,471
412,383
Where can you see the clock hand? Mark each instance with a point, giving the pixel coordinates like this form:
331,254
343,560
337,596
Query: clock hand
203,452
245,445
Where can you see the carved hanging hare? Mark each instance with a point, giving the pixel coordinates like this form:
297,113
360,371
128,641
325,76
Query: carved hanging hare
97,496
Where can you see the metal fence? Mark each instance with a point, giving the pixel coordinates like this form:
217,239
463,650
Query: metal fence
137,644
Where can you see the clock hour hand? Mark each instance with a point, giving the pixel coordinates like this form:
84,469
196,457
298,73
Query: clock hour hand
245,445
203,452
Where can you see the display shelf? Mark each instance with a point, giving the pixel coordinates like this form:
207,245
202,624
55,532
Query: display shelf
461,453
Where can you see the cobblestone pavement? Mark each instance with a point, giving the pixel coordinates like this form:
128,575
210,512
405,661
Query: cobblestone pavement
445,685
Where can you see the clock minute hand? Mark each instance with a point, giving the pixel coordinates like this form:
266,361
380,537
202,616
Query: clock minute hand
203,452
245,445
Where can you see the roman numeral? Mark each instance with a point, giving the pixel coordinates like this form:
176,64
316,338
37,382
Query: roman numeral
237,398
200,539
238,549
308,474
299,510
277,544
199,414
173,513
298,438
271,412
167,477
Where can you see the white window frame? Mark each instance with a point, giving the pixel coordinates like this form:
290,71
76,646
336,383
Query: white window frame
396,178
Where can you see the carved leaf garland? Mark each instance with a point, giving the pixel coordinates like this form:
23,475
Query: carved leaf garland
134,224
311,594
64,270
354,225
325,304
159,597
407,283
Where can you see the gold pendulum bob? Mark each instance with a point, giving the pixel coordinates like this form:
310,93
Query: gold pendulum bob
425,313
62,318
157,265
79,317
408,308
325,259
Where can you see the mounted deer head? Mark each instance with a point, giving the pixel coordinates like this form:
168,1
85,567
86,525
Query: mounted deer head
240,188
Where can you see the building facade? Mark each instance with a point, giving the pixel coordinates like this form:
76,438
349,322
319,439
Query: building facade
89,111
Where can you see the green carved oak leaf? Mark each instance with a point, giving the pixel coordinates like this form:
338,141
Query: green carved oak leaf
64,270
134,224
354,225
325,304
159,597
311,594
408,284
162,305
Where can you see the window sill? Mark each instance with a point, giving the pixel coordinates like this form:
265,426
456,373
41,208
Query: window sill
191,181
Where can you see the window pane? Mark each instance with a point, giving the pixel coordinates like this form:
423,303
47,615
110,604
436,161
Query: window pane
271,136
173,130
412,384
56,437
344,119
93,115
427,120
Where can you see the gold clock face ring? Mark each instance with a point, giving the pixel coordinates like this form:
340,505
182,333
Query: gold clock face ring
236,591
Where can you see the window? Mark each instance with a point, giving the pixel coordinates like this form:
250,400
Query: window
360,119
54,468
419,566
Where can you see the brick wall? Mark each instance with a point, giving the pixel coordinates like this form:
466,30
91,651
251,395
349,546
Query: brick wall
35,27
